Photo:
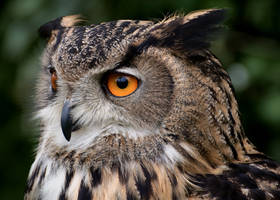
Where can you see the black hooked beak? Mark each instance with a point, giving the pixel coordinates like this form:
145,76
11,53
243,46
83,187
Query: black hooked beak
67,124
66,120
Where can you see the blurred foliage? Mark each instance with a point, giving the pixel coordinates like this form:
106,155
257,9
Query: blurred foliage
250,50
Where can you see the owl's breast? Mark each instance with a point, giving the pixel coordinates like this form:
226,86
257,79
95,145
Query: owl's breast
131,180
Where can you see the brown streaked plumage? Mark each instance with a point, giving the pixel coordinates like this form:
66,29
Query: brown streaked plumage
177,136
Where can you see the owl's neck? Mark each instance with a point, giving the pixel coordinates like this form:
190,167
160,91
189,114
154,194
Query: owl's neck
163,163
168,150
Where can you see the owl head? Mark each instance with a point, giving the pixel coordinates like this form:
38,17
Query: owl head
138,79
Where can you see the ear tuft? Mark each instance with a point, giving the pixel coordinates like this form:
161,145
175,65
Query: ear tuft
46,30
192,31
71,20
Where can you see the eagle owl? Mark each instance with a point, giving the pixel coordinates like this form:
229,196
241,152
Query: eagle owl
135,109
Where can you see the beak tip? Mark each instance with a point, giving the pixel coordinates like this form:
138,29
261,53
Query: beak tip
66,131
67,137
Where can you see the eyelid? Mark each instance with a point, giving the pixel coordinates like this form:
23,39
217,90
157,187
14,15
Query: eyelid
51,69
129,71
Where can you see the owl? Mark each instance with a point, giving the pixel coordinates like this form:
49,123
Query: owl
135,109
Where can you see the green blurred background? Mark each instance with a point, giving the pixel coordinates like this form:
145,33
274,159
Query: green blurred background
250,50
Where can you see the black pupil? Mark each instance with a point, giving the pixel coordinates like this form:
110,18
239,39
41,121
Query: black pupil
122,82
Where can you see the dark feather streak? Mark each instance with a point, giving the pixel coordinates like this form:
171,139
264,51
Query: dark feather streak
96,176
68,178
32,178
84,192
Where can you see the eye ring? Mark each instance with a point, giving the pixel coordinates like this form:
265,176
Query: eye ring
121,85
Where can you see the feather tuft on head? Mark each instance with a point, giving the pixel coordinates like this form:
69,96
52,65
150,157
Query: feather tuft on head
183,33
46,30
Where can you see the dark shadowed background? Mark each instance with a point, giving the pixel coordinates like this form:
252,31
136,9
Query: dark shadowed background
250,50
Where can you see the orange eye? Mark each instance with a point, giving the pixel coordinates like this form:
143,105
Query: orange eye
121,85
53,81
